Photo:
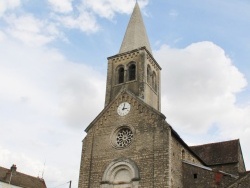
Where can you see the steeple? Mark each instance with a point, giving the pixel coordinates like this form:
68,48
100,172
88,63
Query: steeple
134,69
136,35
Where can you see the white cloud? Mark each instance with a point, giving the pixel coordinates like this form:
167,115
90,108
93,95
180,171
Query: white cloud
39,31
62,6
173,13
6,5
48,82
199,79
199,94
85,21
2,36
44,101
108,8
31,30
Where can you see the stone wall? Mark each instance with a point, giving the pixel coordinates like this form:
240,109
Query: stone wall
141,86
242,182
149,148
179,152
198,177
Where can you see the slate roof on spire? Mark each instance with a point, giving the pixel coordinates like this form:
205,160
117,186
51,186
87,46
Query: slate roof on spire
136,35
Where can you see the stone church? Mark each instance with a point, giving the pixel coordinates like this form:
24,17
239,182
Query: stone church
131,145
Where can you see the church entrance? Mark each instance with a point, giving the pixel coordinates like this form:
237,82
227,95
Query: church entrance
121,173
122,179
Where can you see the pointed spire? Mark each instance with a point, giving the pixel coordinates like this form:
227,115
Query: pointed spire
136,35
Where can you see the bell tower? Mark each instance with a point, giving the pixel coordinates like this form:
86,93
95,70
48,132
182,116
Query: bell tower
134,67
128,143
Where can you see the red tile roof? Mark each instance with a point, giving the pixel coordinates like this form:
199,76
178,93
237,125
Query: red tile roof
20,179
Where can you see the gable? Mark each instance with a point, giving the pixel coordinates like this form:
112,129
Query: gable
124,95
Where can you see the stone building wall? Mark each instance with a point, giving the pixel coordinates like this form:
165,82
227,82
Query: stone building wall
198,177
242,182
241,164
229,168
178,154
149,149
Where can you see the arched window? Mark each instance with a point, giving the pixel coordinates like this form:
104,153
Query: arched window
120,75
131,72
148,75
154,84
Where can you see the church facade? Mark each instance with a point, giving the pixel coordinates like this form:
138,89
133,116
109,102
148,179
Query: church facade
130,144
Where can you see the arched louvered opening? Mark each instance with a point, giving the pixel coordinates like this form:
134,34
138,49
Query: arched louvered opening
121,75
131,72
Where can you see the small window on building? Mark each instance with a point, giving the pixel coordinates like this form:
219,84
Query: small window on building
120,75
148,75
195,176
183,154
131,72
154,84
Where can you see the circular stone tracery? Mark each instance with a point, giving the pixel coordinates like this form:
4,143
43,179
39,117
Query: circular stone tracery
124,137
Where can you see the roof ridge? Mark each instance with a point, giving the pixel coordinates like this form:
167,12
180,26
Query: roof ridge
213,143
21,173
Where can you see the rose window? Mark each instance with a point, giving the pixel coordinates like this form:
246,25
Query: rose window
124,137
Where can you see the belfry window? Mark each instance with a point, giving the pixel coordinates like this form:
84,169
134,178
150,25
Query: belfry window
131,72
120,75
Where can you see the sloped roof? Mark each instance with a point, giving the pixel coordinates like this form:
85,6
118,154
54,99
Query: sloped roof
136,34
20,179
218,153
243,181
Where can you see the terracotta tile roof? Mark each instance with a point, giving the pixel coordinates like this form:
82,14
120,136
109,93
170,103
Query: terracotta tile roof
20,179
218,153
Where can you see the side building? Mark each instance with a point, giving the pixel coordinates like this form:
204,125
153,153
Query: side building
11,178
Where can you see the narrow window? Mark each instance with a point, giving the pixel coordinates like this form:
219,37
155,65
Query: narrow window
183,154
120,75
154,85
148,74
131,72
195,176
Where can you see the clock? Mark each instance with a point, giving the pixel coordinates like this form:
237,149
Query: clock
123,109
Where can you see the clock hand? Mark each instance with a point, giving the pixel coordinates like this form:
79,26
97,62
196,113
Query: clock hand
123,106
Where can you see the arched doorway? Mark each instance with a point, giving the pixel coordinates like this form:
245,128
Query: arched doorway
121,173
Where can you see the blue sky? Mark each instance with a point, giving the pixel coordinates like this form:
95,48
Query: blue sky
53,62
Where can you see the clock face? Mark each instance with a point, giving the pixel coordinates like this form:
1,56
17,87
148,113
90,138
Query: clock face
123,109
